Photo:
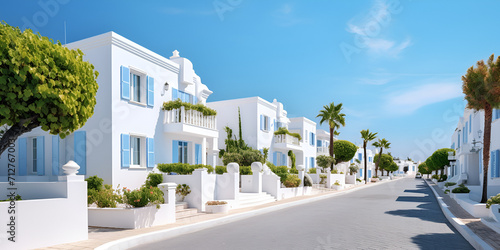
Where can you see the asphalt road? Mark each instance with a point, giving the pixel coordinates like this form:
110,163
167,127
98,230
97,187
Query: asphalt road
401,214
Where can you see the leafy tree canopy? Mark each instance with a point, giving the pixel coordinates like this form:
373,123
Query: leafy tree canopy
344,150
42,84
440,158
385,161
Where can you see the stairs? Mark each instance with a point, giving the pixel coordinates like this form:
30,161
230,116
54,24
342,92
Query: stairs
185,214
253,199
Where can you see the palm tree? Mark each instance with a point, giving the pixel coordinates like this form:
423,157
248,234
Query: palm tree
332,114
381,143
481,86
367,136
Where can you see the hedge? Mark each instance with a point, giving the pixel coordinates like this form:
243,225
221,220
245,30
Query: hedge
182,168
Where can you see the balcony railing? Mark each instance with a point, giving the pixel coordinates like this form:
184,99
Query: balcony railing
322,150
190,117
288,139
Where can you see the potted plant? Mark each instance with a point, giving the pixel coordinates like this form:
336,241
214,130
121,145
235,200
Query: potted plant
493,204
182,190
460,191
323,178
336,185
374,178
217,207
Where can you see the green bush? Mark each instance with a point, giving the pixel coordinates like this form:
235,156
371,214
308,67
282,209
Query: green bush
353,169
493,200
312,171
294,170
337,183
292,181
335,171
232,157
447,191
154,180
182,168
16,198
283,131
449,184
324,161
182,190
281,171
344,150
220,169
250,156
94,182
435,176
323,178
143,197
442,178
107,197
198,107
358,180
245,170
460,189
308,182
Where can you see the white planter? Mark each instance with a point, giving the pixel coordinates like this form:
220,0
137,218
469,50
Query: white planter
459,195
374,179
350,179
495,212
307,190
141,217
217,209
336,187
441,184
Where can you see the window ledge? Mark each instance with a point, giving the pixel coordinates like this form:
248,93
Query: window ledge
138,103
136,167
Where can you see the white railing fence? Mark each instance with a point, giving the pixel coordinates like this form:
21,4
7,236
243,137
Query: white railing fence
191,117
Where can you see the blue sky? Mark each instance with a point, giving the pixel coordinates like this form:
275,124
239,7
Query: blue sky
395,65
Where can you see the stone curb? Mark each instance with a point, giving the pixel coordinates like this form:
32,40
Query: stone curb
137,240
465,231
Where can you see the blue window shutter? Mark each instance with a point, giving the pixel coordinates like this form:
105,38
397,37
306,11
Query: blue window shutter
361,172
175,94
275,158
55,155
150,148
125,82
470,124
275,125
261,122
360,156
494,113
195,100
497,154
369,173
23,156
151,91
197,153
283,159
175,151
40,155
312,162
493,163
125,150
81,151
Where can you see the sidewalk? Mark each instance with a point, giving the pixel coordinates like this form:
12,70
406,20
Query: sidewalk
101,236
477,229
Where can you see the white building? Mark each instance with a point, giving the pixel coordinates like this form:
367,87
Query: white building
323,142
406,167
370,165
259,120
129,132
467,140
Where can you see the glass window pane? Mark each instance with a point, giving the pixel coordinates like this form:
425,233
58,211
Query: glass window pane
34,156
136,150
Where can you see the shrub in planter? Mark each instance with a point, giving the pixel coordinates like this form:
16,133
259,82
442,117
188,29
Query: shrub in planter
442,178
182,190
143,197
308,182
154,180
94,182
353,169
493,200
358,180
292,181
281,171
337,183
182,168
246,170
435,176
215,203
449,184
107,197
447,191
312,171
323,178
460,189
16,198
220,169
335,171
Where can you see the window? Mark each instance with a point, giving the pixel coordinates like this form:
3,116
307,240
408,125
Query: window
34,155
318,143
265,123
360,156
306,136
182,152
495,163
311,142
135,87
137,151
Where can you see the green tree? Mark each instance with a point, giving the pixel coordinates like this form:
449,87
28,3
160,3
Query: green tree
481,86
440,158
367,136
42,84
344,150
385,161
333,116
292,159
381,143
424,169
392,167
325,161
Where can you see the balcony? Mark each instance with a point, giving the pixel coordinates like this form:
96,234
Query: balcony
189,122
287,142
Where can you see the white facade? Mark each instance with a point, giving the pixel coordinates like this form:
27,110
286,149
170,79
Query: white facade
129,133
467,140
410,167
370,165
323,142
259,120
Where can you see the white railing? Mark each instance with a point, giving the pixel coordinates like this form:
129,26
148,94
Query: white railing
286,139
322,150
191,117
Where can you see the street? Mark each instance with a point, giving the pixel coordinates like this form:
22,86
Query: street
400,214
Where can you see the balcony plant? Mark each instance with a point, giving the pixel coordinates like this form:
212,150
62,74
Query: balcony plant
177,104
284,131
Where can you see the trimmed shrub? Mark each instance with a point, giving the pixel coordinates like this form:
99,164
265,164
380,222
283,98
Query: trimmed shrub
460,189
344,150
143,197
312,171
308,182
493,200
442,178
358,180
94,182
215,203
292,181
250,156
435,176
154,180
220,169
323,178
232,157
182,168
449,184
281,171
246,170
324,161
107,197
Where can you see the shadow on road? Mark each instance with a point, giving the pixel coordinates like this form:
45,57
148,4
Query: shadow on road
439,241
